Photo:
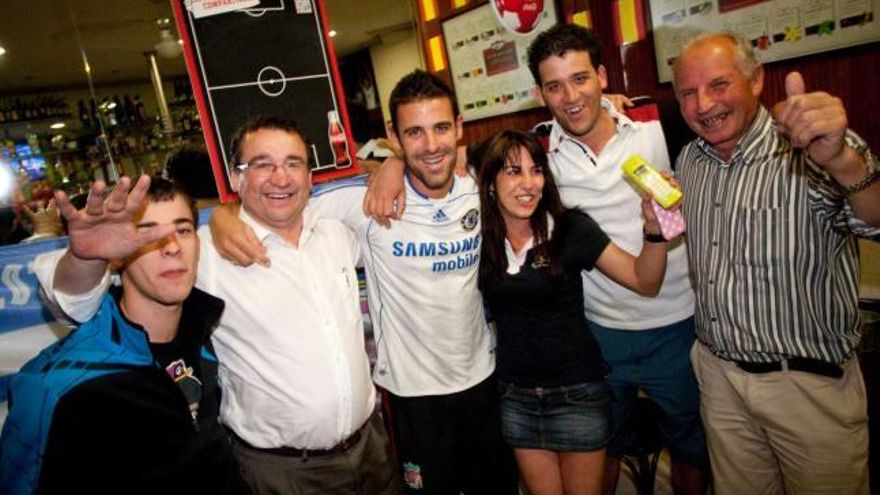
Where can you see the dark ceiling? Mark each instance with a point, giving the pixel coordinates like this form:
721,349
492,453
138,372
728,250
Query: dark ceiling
45,39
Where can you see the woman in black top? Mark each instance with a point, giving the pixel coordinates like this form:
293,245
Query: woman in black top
555,401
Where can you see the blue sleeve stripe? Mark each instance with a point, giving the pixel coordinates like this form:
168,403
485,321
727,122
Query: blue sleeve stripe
326,187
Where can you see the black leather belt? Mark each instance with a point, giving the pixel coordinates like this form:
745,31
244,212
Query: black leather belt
807,365
339,448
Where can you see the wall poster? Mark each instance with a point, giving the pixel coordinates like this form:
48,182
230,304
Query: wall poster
488,62
273,58
778,29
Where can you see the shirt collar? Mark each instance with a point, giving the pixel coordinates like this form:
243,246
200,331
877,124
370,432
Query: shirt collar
310,218
748,144
411,189
558,135
201,312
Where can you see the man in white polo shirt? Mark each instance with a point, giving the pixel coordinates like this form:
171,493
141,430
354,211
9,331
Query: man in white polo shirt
297,395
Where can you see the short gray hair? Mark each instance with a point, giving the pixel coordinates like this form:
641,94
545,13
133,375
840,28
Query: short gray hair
746,60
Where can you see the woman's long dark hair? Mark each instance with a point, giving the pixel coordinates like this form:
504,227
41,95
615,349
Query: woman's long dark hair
493,154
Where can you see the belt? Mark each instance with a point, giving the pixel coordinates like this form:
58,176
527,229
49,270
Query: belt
339,448
807,365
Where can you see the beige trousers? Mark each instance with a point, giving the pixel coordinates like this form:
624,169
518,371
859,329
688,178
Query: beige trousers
784,432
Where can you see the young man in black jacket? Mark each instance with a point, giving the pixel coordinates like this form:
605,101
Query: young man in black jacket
128,402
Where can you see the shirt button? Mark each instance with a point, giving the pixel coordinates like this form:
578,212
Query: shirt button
715,243
711,282
713,319
718,204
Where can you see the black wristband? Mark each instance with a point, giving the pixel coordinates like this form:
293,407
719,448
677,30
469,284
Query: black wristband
654,237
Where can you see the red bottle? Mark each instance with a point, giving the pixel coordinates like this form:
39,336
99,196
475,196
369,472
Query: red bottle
337,141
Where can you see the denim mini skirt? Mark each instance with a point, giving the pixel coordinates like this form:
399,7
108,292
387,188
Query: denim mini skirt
570,418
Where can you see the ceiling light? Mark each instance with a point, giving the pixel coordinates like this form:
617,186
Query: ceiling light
57,125
2,51
168,47
332,33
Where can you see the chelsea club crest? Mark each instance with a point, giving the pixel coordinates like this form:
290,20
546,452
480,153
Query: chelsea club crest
470,219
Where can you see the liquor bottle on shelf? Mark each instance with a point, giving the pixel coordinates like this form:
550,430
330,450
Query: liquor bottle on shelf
24,182
84,117
139,109
93,110
51,171
119,111
34,143
338,142
186,122
16,110
108,112
130,111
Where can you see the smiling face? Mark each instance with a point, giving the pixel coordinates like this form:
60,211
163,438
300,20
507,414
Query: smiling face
428,132
718,101
277,194
571,88
163,272
518,187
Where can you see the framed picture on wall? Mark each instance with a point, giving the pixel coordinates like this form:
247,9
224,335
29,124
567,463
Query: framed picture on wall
487,61
777,29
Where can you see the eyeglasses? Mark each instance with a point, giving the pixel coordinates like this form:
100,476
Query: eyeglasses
262,166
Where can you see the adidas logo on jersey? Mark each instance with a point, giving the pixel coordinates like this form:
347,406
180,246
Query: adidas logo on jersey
440,216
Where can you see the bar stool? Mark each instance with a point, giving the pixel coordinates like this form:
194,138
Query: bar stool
645,453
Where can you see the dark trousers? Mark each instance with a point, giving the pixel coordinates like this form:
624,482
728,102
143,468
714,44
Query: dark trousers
451,444
364,469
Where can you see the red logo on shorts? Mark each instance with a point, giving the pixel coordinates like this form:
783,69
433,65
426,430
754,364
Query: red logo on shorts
412,475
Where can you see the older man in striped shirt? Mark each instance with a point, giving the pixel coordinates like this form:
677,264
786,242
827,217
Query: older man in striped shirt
774,207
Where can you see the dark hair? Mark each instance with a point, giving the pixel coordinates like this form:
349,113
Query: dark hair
190,166
162,189
416,86
500,149
264,122
559,39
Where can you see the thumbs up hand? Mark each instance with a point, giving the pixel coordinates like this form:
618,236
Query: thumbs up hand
813,121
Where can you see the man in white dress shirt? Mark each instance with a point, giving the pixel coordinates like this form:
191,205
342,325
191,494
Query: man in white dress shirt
297,395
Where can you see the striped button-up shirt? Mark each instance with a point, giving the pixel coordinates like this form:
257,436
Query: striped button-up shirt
772,248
